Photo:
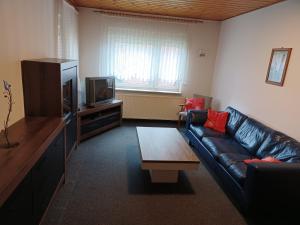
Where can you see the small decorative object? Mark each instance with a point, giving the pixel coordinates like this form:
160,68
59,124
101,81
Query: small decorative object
278,66
8,95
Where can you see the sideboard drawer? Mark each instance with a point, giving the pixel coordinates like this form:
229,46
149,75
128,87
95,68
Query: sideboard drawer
18,208
46,175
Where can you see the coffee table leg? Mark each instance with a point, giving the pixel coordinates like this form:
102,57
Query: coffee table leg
164,176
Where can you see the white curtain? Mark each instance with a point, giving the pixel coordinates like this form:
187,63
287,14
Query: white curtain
144,54
67,38
67,31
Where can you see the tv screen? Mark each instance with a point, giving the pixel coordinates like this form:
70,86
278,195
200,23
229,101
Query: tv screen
104,89
99,89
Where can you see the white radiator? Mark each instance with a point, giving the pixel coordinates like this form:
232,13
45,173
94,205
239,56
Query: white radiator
147,106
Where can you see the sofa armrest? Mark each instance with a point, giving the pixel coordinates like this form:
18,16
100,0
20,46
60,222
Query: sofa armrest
273,183
196,117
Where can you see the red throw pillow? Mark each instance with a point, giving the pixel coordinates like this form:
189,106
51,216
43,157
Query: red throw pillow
216,120
194,103
247,161
266,159
271,159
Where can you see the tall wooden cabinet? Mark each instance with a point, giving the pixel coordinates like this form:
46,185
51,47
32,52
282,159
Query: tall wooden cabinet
50,89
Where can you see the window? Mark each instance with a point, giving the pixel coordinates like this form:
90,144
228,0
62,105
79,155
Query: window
145,59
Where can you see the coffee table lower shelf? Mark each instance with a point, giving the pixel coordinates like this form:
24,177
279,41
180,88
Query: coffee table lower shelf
164,176
161,172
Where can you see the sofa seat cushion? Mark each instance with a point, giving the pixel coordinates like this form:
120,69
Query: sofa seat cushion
217,146
233,163
238,171
281,147
228,159
201,132
251,134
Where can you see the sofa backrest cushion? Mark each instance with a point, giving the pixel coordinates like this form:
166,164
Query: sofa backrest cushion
280,146
235,119
197,117
251,134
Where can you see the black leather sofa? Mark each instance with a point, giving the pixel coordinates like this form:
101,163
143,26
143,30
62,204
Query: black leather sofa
255,187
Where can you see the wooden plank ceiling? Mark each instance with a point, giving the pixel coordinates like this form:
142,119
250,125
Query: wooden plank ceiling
197,9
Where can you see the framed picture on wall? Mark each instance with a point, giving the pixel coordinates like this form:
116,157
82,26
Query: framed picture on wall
278,66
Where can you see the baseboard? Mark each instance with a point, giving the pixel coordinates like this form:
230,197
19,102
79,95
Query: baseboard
148,120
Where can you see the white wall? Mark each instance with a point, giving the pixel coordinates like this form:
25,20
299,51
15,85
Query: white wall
245,46
28,30
201,36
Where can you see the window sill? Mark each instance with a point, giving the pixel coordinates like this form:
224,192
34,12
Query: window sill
149,91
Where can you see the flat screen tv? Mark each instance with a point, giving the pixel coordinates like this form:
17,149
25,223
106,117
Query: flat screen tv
99,90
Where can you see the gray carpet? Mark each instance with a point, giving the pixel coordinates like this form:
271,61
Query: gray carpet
105,186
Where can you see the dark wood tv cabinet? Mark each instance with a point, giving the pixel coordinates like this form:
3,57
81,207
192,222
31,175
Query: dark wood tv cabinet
50,89
94,120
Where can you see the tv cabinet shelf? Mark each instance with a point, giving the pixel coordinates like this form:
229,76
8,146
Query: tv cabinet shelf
94,120
99,117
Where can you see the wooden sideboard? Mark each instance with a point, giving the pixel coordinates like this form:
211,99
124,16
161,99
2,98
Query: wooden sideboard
32,172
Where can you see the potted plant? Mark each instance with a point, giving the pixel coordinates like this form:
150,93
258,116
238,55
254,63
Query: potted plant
8,95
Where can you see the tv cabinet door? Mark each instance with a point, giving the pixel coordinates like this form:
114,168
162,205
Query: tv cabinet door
70,75
71,134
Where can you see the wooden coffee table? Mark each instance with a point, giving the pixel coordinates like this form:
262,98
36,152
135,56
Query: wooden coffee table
164,152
